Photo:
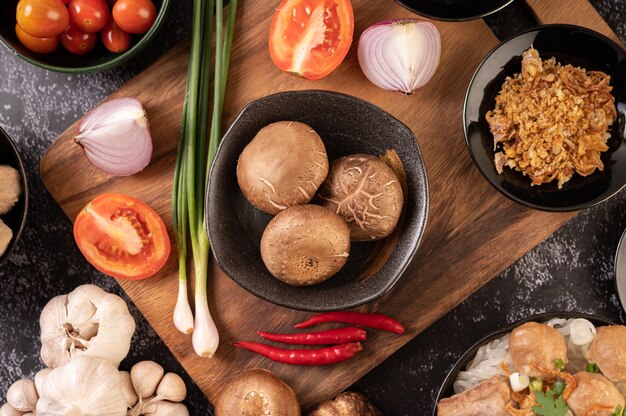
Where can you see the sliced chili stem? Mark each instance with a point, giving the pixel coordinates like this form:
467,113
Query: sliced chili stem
370,320
321,356
332,336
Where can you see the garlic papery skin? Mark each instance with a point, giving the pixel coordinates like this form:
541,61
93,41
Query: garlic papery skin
146,376
39,377
88,321
400,55
8,410
22,395
171,388
127,388
165,408
86,386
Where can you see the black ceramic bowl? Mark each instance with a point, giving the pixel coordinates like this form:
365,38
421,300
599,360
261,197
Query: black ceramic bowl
61,60
454,10
569,45
347,125
16,218
447,388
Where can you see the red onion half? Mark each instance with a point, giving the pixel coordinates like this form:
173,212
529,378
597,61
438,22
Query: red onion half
401,54
116,137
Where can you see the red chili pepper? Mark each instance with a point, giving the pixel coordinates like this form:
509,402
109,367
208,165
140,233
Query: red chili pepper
322,356
332,336
370,320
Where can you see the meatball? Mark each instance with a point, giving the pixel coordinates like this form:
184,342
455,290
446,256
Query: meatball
488,398
5,237
608,351
533,344
10,188
594,391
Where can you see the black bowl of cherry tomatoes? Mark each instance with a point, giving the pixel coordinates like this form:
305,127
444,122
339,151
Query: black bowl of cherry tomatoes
79,36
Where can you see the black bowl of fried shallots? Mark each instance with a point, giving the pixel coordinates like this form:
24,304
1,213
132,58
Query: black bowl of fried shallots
544,118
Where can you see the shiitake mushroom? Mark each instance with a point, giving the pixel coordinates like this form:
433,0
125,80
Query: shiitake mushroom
282,166
366,193
257,392
305,245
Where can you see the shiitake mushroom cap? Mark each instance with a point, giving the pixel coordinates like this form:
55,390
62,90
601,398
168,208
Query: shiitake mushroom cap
282,166
366,193
305,245
257,392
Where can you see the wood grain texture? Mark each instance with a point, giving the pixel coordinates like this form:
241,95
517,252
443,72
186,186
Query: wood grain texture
473,232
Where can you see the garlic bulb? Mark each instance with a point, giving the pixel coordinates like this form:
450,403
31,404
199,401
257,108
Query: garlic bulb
163,408
8,410
41,374
88,321
146,376
128,389
85,386
22,395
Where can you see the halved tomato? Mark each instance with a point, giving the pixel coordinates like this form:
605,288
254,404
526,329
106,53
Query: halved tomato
310,38
122,237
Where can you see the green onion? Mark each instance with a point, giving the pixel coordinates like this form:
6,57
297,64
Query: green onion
558,387
535,385
193,160
619,411
559,364
592,368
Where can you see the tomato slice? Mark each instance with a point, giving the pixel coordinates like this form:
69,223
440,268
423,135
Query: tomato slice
310,38
122,237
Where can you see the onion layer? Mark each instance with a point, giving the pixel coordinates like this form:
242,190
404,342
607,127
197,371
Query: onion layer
116,137
400,55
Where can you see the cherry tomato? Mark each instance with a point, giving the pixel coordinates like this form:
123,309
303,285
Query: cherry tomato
112,2
42,18
114,38
39,45
122,237
311,38
77,41
89,15
134,16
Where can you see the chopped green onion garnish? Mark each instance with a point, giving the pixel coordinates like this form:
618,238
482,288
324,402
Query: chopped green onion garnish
559,364
619,411
535,385
558,387
592,368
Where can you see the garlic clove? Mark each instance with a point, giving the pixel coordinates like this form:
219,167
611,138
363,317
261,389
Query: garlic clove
87,321
171,388
146,376
39,377
84,386
8,410
164,408
22,395
128,389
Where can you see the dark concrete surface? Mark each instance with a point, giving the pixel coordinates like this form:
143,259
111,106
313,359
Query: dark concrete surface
571,270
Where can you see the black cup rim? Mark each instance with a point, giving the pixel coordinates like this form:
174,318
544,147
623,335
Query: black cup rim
455,19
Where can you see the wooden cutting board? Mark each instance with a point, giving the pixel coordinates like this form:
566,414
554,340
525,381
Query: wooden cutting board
473,232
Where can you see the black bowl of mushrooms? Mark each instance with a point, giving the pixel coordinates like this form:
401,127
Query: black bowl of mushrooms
13,196
317,200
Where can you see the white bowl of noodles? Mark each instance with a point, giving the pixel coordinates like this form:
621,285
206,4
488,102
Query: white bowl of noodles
490,365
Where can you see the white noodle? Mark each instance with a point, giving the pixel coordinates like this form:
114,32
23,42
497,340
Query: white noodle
490,357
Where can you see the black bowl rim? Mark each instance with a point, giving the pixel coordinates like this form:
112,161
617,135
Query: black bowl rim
452,19
622,242
22,168
146,38
512,197
470,353
407,262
